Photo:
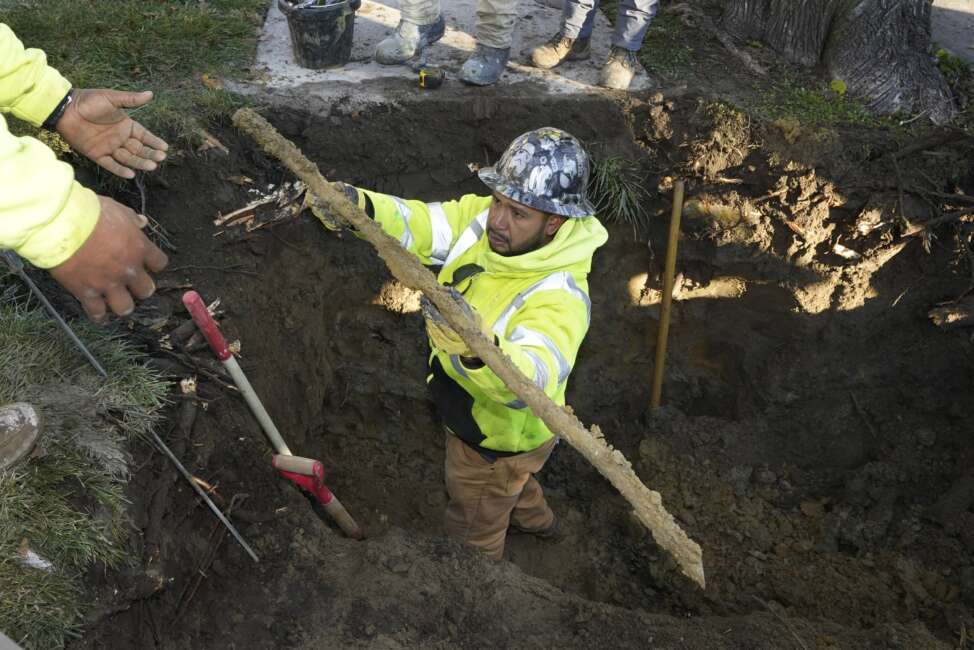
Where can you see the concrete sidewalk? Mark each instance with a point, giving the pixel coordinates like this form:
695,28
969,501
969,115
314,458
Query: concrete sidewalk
953,27
363,82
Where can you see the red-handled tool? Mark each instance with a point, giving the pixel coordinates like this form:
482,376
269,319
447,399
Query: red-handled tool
307,474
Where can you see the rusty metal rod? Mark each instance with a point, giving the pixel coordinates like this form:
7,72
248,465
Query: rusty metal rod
669,271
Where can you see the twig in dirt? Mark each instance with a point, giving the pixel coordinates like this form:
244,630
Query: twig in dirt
945,218
915,117
899,190
770,195
951,136
703,21
214,542
863,417
960,198
784,620
209,502
140,184
154,226
232,268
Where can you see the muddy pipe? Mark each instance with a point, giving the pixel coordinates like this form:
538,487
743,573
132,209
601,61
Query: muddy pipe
669,271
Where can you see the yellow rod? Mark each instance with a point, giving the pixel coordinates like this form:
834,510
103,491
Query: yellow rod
664,318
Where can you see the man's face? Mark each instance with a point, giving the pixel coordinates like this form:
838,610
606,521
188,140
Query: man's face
514,228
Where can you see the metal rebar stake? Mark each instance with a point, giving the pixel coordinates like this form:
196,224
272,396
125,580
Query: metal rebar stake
17,266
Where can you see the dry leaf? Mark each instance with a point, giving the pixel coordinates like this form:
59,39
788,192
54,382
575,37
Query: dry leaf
211,82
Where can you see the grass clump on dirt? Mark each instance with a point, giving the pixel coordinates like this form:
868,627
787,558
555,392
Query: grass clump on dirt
66,504
177,49
618,191
814,104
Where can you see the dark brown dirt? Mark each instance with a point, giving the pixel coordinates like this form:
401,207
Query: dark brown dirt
813,414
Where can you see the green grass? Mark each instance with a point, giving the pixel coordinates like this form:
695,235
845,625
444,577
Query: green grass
618,191
142,44
815,104
67,502
665,49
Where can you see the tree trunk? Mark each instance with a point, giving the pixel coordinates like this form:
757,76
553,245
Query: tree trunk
879,48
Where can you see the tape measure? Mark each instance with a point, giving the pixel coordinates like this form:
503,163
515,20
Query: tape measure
430,78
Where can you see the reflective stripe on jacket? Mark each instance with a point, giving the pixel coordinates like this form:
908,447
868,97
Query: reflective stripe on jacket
536,303
44,214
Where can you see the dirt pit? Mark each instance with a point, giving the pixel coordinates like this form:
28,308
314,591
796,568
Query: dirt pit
814,417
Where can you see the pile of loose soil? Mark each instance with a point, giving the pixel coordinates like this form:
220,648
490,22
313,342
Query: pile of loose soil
814,416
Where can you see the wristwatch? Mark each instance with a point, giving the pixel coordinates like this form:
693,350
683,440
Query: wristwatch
51,122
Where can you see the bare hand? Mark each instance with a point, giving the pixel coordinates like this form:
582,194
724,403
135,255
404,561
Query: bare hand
110,267
96,126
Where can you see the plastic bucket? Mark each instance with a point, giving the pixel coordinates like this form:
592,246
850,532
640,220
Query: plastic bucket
321,35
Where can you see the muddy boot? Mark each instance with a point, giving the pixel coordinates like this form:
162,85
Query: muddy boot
551,533
19,429
485,65
560,48
619,69
408,41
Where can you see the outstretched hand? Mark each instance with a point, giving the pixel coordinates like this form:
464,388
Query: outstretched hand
95,126
111,266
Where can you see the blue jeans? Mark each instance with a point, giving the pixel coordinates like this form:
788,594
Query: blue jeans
578,18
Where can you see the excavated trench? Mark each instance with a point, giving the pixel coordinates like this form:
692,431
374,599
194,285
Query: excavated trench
799,447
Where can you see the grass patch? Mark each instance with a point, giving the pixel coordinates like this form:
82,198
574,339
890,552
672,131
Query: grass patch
618,190
165,47
67,503
815,104
664,50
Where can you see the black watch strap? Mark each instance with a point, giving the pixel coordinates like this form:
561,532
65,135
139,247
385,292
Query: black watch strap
51,122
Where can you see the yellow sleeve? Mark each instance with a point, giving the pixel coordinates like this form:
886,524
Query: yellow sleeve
45,215
29,88
428,230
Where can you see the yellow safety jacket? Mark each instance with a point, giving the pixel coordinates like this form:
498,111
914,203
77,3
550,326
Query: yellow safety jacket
45,215
537,305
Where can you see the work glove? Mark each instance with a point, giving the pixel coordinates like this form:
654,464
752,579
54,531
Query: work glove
95,126
444,337
111,266
324,215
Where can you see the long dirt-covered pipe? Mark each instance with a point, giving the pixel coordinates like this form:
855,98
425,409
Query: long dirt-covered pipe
611,463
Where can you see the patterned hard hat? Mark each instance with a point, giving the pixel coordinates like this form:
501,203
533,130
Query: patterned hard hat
545,169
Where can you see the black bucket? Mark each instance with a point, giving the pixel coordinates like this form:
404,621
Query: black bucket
321,35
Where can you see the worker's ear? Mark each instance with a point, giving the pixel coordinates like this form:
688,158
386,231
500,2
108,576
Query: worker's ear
554,223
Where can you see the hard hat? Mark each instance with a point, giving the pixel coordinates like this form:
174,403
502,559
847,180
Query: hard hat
545,169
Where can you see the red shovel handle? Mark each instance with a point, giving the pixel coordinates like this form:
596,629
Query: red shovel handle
197,309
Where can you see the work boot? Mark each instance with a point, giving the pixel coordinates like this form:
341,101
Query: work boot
408,41
560,48
485,65
550,533
619,69
19,429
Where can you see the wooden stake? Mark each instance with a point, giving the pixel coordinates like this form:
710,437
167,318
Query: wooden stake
647,504
664,317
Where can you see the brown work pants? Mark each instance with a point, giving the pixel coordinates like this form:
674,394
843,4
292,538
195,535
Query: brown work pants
486,497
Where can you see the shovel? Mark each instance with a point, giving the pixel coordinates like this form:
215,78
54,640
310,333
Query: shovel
307,474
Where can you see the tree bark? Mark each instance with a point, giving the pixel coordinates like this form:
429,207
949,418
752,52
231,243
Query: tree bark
879,48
